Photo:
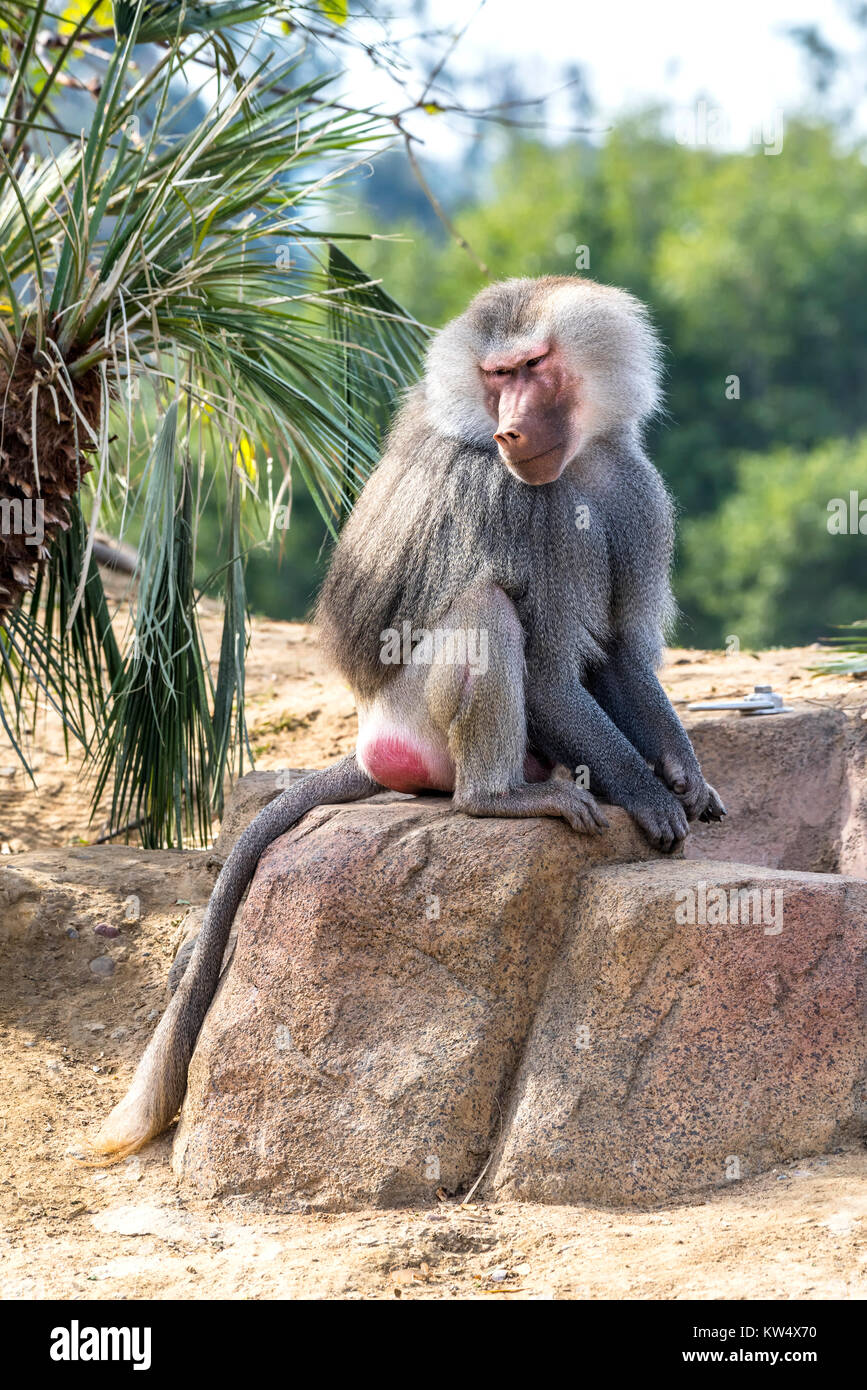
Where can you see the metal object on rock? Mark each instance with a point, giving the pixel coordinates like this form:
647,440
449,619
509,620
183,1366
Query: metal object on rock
764,700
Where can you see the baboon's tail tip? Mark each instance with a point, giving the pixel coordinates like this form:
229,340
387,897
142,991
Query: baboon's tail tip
149,1105
125,1130
160,1081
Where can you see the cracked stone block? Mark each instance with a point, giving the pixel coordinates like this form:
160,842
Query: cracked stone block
702,1022
415,992
389,960
794,786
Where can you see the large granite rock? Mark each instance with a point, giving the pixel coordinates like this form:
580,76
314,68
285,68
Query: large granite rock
670,1054
414,990
389,961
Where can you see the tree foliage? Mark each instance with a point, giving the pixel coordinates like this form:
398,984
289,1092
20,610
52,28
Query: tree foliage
755,269
172,284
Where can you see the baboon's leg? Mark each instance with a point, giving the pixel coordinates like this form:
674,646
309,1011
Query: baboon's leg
454,720
487,730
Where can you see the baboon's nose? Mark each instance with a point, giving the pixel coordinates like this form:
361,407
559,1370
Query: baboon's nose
509,439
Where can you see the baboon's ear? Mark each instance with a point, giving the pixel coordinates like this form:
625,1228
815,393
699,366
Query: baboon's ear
615,347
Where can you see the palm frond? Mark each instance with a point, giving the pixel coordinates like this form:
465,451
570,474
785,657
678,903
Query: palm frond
158,744
229,724
851,645
172,19
160,240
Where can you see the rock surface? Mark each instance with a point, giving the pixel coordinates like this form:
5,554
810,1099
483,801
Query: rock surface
672,1055
794,785
413,990
388,964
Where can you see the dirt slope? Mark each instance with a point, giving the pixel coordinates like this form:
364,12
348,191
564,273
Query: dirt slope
69,1038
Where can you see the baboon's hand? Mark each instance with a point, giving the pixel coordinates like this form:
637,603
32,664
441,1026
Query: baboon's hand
661,817
698,797
713,808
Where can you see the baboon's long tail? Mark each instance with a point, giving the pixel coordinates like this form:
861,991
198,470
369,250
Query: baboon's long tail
160,1080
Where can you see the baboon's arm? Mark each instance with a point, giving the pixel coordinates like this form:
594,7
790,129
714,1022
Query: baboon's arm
570,727
629,691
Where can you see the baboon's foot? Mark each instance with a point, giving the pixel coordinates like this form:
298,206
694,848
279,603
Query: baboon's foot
553,798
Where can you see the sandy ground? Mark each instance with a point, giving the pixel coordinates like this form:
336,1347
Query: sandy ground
69,1040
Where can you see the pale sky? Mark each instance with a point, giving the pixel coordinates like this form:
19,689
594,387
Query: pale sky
735,54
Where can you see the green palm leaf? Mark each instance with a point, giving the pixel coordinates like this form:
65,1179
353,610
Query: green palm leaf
852,647
181,269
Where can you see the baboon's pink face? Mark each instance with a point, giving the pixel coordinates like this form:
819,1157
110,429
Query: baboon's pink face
534,399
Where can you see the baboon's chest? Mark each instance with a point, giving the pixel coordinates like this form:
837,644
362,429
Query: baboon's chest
570,597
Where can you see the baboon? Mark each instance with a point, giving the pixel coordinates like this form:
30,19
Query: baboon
514,510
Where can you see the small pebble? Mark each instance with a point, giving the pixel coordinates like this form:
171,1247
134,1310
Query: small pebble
72,933
103,965
106,929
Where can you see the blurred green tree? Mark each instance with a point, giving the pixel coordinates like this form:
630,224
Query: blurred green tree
755,269
783,558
